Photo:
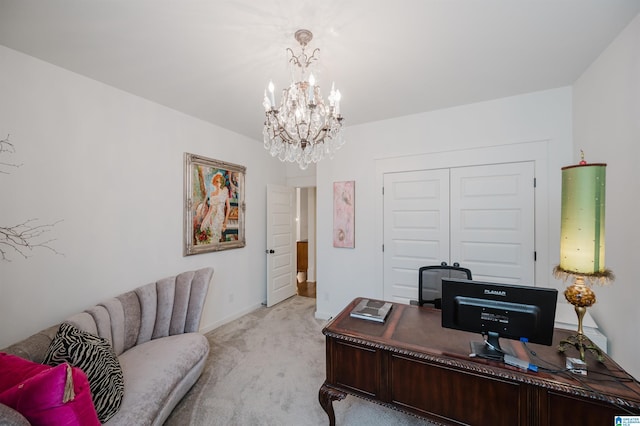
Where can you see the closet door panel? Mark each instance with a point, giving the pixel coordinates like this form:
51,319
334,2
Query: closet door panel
492,221
416,228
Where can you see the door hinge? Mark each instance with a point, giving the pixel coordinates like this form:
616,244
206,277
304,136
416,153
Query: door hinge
383,190
535,256
535,182
383,248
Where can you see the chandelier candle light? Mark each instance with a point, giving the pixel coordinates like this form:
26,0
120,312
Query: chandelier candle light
582,243
303,129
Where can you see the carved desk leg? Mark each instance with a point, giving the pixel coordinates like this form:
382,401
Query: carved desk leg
326,396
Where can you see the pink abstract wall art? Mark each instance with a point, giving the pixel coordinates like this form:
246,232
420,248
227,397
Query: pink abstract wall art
344,214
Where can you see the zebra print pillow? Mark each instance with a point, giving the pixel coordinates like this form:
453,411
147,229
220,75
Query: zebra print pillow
95,356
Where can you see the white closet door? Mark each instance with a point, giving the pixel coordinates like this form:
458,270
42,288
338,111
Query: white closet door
492,221
416,228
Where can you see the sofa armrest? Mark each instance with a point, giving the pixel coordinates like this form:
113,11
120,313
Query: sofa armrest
10,417
33,348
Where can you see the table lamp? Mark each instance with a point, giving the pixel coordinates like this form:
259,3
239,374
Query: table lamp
582,244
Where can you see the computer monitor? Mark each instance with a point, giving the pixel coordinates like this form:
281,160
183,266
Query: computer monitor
499,310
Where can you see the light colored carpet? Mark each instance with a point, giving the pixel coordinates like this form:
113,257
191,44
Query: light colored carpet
266,369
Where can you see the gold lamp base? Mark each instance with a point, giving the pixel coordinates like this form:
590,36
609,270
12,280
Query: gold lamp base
581,297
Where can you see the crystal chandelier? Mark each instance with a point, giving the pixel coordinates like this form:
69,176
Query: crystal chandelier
303,129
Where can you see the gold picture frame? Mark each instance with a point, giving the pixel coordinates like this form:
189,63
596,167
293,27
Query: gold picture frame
214,206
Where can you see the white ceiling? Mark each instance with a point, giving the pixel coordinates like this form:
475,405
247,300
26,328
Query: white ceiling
212,59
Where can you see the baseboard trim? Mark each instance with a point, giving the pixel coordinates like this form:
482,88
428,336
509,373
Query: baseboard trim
230,318
325,316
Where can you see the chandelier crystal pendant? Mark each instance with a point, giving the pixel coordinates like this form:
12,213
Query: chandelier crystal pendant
304,128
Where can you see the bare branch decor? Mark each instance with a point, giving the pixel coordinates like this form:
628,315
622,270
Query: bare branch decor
23,237
7,147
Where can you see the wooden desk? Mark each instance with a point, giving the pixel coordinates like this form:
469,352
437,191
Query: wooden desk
412,364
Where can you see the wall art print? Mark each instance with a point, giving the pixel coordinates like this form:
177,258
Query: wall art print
214,205
344,214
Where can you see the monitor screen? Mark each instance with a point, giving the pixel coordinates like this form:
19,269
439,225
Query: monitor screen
499,310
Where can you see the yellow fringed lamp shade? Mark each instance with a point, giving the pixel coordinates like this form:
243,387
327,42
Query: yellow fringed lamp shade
582,244
582,221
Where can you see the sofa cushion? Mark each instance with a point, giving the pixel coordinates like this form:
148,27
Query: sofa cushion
10,417
157,374
15,369
46,395
95,356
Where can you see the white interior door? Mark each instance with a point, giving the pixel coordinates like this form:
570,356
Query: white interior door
281,263
416,228
492,221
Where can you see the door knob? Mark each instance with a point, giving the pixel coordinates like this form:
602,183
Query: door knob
270,251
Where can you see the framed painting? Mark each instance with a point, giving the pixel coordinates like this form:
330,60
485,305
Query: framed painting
214,205
344,214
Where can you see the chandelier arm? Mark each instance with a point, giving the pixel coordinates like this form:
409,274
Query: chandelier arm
284,134
323,130
320,140
301,139
303,60
294,58
287,136
274,118
309,59
316,138
307,138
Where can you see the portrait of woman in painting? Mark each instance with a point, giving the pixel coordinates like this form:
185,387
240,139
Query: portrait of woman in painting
213,214
218,208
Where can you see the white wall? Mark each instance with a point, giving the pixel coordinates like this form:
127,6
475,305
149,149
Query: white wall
110,166
302,214
542,117
607,127
311,220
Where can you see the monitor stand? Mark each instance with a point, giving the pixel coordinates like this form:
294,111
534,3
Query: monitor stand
489,349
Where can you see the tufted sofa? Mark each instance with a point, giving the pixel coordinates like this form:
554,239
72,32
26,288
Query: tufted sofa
154,333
